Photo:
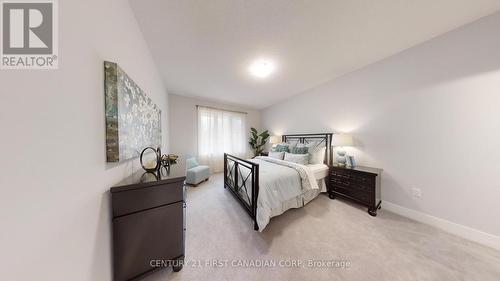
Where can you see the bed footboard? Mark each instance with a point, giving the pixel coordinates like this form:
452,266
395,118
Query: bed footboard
241,177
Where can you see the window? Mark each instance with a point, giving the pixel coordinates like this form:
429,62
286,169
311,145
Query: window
220,132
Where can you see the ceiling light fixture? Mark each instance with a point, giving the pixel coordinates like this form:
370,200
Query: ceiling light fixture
262,68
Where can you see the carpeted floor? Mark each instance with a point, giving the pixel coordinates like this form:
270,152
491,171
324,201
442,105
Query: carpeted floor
343,240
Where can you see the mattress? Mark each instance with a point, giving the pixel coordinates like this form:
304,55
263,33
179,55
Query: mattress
320,170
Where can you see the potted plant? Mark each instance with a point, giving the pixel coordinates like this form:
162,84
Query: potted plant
258,141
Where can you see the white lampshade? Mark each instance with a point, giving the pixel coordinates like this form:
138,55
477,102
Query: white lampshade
342,140
275,139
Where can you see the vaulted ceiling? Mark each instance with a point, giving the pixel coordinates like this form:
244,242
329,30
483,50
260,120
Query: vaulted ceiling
204,48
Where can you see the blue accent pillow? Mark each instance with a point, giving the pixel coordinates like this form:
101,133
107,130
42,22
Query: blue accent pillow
281,148
299,150
191,163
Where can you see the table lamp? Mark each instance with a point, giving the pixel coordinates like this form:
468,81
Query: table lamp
275,139
341,140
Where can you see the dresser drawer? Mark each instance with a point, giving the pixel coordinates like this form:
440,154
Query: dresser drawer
351,175
364,184
340,173
362,178
135,200
364,197
157,233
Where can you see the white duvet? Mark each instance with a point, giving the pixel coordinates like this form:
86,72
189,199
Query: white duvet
280,181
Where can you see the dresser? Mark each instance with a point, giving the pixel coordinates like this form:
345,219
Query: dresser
358,184
149,222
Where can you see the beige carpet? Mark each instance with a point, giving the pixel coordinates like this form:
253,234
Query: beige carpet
388,247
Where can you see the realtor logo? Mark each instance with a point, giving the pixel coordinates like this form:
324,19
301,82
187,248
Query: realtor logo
29,34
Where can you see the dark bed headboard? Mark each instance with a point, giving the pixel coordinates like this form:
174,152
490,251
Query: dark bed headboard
322,138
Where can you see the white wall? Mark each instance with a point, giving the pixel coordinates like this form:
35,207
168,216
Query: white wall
54,206
429,116
184,125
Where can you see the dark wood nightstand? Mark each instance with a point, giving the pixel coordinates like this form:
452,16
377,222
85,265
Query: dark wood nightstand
359,184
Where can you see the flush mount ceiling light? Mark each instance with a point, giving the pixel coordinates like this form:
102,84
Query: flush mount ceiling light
262,68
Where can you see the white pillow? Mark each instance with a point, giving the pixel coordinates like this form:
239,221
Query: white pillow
293,143
302,159
316,153
317,156
277,155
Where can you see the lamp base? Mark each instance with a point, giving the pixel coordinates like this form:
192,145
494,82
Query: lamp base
341,160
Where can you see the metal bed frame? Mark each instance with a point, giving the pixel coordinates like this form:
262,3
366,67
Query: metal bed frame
241,176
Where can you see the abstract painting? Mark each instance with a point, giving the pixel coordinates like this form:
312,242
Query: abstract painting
133,121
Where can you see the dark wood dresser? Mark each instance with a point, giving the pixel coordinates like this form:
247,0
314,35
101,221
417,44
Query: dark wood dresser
359,184
149,222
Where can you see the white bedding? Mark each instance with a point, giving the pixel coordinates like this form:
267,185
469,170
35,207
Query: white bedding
320,173
320,170
284,185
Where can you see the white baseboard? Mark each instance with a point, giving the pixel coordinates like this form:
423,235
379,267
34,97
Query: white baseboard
466,232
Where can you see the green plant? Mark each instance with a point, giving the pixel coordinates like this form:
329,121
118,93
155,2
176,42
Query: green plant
257,141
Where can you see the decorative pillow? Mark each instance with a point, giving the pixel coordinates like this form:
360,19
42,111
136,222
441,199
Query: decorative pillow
299,149
281,147
191,163
302,159
277,155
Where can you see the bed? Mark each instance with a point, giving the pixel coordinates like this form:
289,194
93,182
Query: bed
267,187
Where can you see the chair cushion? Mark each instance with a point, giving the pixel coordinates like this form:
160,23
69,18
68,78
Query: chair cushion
197,174
191,163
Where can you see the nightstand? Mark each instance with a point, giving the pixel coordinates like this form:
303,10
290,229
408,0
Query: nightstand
358,184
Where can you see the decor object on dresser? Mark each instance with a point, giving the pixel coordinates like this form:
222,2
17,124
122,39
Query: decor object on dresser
133,121
172,158
167,159
154,163
359,184
350,161
148,221
340,141
196,173
258,141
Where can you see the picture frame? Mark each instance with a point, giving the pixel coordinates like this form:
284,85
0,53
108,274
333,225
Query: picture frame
133,120
350,162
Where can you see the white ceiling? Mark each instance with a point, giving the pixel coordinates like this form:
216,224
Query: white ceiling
203,48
